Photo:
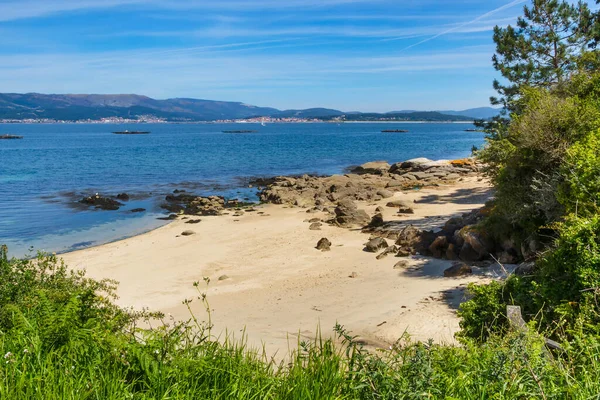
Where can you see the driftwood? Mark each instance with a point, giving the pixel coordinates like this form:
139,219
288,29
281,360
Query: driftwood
515,318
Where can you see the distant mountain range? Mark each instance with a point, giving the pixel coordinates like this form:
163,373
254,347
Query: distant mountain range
74,107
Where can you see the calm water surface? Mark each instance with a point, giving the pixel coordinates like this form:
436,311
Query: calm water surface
44,175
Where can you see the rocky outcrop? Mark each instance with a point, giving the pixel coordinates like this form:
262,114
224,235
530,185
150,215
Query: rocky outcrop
371,181
101,202
191,204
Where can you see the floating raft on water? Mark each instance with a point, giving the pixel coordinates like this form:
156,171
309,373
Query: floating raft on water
131,132
10,137
243,131
394,131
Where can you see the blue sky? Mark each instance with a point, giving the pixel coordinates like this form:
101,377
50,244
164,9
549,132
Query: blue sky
363,55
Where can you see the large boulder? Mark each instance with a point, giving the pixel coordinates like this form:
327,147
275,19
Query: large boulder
348,214
476,246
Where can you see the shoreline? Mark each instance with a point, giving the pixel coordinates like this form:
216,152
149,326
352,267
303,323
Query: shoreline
270,283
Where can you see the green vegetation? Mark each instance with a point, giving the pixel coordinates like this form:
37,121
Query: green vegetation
62,338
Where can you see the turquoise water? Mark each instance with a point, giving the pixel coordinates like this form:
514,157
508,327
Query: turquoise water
43,175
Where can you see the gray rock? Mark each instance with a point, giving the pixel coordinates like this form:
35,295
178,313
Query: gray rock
324,245
397,203
376,244
526,268
438,247
385,194
387,251
316,226
376,221
223,277
347,214
188,233
458,269
401,264
406,210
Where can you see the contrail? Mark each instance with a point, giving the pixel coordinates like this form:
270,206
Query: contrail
504,7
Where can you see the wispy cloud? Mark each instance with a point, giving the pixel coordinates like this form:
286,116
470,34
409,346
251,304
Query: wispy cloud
471,22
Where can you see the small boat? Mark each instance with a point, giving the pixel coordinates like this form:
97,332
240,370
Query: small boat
126,132
394,131
10,137
242,131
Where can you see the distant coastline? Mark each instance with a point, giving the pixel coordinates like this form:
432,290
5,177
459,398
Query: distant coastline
298,121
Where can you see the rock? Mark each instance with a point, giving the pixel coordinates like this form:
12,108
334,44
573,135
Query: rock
468,254
385,194
438,247
454,224
376,221
507,257
421,175
171,217
101,202
475,246
315,226
223,277
409,236
395,184
451,252
414,163
379,210
324,245
347,214
374,167
386,252
193,221
458,269
401,264
137,210
526,268
397,203
188,233
403,252
123,196
406,210
376,244
353,275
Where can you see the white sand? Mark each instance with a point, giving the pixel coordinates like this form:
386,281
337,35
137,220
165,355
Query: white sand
279,285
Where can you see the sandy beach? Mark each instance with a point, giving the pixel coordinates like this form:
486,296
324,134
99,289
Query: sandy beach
275,285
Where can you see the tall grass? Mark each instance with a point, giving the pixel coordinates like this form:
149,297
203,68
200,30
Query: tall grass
61,337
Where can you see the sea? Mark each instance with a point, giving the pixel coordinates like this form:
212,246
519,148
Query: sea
44,175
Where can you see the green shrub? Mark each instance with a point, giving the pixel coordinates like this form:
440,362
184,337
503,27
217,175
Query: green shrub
580,193
526,162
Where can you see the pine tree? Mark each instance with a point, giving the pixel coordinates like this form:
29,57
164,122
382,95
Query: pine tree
543,49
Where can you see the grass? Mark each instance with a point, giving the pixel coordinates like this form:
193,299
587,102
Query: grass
61,337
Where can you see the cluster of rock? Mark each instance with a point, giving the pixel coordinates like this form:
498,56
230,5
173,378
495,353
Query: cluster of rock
369,182
184,203
459,239
105,202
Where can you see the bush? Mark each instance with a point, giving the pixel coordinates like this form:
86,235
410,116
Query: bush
580,193
526,162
